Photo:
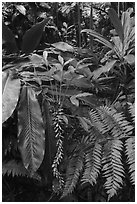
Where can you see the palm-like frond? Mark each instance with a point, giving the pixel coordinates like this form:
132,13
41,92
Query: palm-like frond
14,168
130,152
114,122
31,131
92,163
132,111
74,170
112,166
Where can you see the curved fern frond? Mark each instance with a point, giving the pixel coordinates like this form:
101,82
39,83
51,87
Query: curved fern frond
130,152
112,166
14,168
31,132
114,122
92,164
74,170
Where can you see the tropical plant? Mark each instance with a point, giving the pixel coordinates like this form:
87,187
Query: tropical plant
68,128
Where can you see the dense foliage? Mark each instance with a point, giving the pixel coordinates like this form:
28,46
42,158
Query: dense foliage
68,101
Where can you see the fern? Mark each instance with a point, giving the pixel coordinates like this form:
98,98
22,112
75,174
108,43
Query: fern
74,170
132,111
92,164
114,122
130,152
14,168
112,166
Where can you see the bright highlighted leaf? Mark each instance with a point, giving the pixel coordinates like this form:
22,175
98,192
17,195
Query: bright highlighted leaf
62,46
10,95
31,132
21,9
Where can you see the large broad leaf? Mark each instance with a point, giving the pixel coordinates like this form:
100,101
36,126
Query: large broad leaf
30,130
9,39
32,37
99,37
10,95
103,69
62,46
116,22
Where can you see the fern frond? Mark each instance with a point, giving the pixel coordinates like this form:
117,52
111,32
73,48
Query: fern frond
92,163
130,152
74,170
96,121
14,168
58,122
132,111
114,122
112,166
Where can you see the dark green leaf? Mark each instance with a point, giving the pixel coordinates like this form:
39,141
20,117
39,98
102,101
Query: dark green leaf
116,22
32,37
9,39
30,130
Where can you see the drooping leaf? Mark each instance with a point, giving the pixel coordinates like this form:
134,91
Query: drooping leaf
10,95
9,39
116,22
62,46
99,37
130,152
125,20
113,169
31,133
32,37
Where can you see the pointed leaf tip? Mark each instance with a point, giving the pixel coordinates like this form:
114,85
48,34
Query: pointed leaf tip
116,23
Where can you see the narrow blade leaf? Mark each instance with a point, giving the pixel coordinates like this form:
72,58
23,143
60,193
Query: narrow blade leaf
116,22
30,130
99,37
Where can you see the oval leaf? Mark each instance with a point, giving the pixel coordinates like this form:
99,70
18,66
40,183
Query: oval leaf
10,95
32,37
30,130
116,22
62,46
130,59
